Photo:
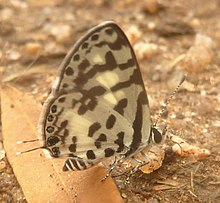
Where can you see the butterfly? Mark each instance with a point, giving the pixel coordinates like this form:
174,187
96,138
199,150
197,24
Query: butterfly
98,105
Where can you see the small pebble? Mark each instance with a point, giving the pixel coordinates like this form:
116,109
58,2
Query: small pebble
62,33
134,34
2,152
6,14
124,195
2,165
152,200
152,6
200,55
33,48
146,50
13,55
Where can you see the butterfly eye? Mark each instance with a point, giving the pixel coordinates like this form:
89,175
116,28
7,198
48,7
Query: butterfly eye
156,135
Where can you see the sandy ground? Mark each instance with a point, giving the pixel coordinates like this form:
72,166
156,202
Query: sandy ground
170,38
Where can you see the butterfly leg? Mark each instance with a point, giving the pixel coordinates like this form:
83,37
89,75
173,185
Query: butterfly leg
113,165
139,165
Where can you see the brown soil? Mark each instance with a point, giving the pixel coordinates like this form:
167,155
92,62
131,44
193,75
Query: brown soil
34,42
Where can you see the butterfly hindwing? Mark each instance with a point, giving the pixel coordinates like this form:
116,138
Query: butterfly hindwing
98,106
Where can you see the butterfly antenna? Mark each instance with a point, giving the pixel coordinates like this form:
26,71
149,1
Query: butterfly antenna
169,99
27,141
30,150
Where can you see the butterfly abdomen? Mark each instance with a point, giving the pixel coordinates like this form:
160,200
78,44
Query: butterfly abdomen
75,163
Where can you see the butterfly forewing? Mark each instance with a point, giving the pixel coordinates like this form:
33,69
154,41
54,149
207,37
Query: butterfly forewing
98,106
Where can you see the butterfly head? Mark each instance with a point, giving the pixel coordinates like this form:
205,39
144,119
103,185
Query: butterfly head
157,134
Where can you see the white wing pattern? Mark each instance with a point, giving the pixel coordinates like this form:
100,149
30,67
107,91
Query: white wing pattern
98,106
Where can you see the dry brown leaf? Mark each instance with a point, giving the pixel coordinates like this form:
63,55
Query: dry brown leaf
167,185
41,179
184,149
163,187
155,154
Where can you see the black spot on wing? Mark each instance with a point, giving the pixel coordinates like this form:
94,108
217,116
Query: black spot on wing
72,148
121,105
52,140
109,152
54,109
80,80
130,63
74,139
62,130
85,45
69,71
65,85
50,129
120,141
76,57
98,144
109,31
102,138
90,154
93,128
50,118
64,124
61,99
110,121
65,134
55,152
94,37
83,65
97,91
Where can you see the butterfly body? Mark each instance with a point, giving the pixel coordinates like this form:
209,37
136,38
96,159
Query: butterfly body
98,106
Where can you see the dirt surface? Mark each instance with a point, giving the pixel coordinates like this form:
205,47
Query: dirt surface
170,38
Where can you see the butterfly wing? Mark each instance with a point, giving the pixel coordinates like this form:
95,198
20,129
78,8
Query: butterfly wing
98,106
